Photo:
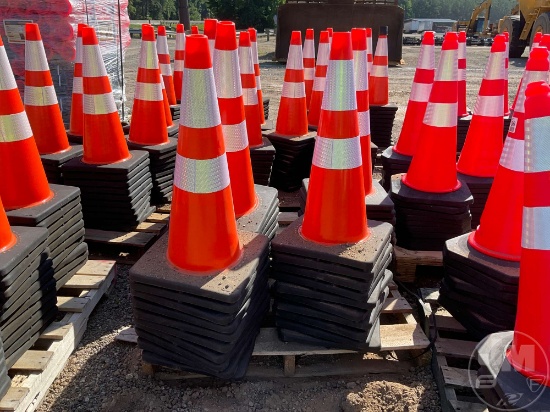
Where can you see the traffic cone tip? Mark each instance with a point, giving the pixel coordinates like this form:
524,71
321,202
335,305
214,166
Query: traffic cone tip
226,38
32,32
253,34
429,38
296,38
89,37
339,49
244,39
161,31
180,28
210,28
309,34
359,39
147,33
197,45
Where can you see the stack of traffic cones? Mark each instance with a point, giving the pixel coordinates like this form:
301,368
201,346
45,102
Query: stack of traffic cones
524,369
430,203
200,293
179,57
173,128
256,206
115,183
478,162
463,113
329,266
309,63
263,104
319,81
210,26
480,287
43,110
292,141
148,130
396,159
382,112
166,72
76,125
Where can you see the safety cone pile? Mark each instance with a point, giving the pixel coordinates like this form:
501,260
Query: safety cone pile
506,70
166,67
262,105
115,183
430,203
396,159
76,125
43,110
463,113
173,128
382,113
536,40
332,308
210,32
292,141
309,63
319,81
148,129
370,57
25,192
216,274
478,162
179,57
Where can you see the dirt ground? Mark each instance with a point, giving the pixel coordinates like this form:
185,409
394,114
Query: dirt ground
104,375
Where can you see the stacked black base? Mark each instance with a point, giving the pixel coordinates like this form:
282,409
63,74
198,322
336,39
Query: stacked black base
52,163
262,158
478,290
292,162
381,124
480,188
373,154
27,292
5,381
175,112
203,324
331,296
266,109
393,163
173,131
62,217
264,219
426,220
162,163
115,196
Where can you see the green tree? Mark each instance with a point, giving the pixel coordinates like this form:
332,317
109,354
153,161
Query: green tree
246,13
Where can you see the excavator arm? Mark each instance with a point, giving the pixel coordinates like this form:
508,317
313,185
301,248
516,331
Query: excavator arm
485,8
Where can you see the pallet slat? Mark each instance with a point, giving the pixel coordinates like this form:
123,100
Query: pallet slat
453,347
136,239
457,377
33,361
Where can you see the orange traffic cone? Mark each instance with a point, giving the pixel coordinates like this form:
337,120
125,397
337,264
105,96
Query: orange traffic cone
165,66
309,63
167,112
330,33
433,167
210,32
23,181
232,111
462,108
179,57
379,81
359,45
418,100
319,81
536,40
76,126
7,238
292,117
531,325
148,124
40,98
499,233
203,229
104,141
483,145
370,57
250,93
256,61
336,182
506,69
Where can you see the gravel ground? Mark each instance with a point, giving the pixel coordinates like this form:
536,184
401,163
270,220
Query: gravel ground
103,375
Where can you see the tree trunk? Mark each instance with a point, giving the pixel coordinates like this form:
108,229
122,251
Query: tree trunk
184,14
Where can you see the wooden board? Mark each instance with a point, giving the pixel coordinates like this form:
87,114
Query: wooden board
408,260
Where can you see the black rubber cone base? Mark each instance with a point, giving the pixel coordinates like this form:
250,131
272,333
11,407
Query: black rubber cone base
480,188
173,131
31,243
393,163
90,182
35,270
120,171
74,138
267,209
72,263
52,163
381,123
261,158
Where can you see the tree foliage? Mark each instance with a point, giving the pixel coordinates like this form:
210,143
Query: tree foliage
153,9
453,9
246,13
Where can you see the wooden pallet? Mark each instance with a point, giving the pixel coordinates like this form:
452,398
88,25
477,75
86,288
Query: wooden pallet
402,338
128,247
452,351
407,262
35,371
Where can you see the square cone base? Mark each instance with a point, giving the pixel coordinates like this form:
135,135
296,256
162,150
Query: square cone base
5,380
426,220
480,188
262,158
74,138
331,295
393,163
115,196
174,130
201,323
293,156
381,124
175,112
373,154
379,205
266,109
52,163
263,219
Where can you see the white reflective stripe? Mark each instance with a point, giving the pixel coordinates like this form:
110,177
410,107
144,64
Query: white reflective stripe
489,106
227,74
462,74
78,87
381,47
99,103
148,58
293,90
535,44
379,70
180,41
245,60
512,154
441,114
78,58
323,54
319,84
166,69
151,92
40,96
309,73
255,59
360,70
250,96
369,66
340,86
529,77
14,127
258,83
212,46
235,137
496,67
35,56
364,123
535,228
198,107
462,50
448,66
178,65
426,59
309,49
201,176
536,144
420,92
162,45
92,62
295,59
337,154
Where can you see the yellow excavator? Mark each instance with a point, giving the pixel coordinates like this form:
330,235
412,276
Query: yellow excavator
477,26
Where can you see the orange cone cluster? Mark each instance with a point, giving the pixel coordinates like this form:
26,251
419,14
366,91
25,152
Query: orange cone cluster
165,65
255,60
320,79
379,81
309,63
76,126
179,57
